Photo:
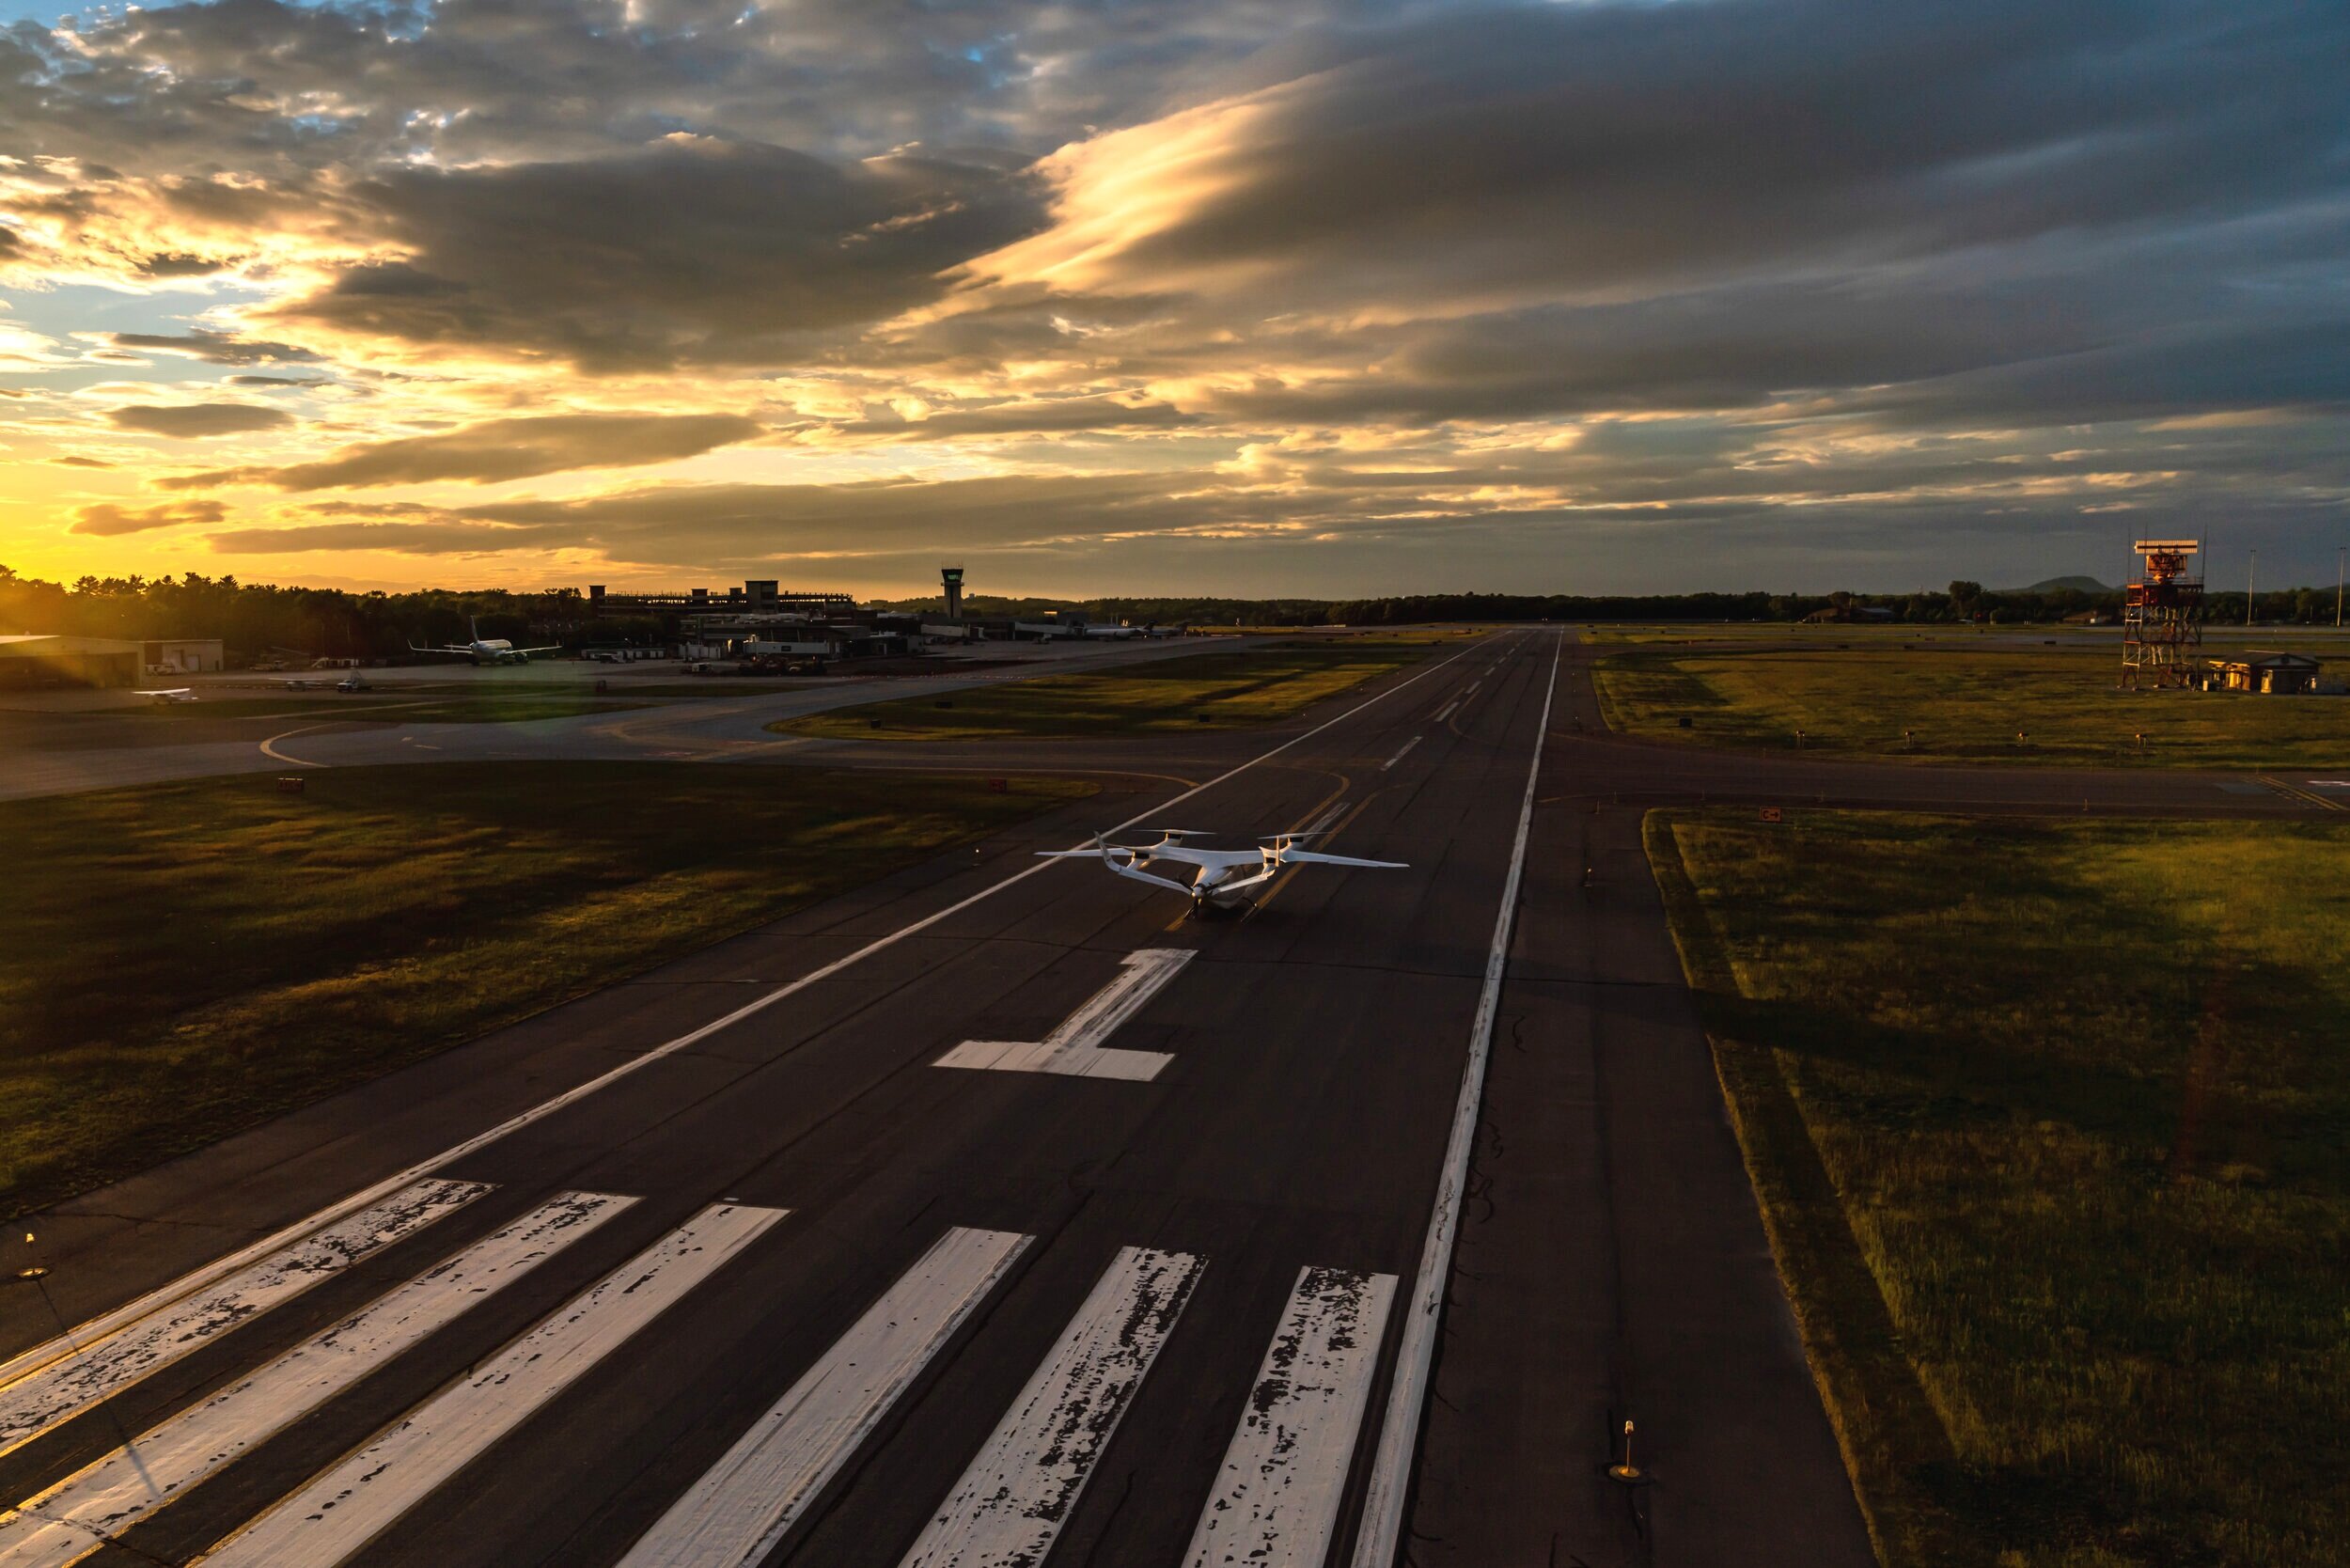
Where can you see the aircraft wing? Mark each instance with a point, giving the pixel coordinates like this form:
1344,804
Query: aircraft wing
1184,855
552,648
1118,861
1314,857
414,648
1180,853
1126,869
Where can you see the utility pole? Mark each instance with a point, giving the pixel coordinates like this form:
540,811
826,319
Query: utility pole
2249,573
2339,554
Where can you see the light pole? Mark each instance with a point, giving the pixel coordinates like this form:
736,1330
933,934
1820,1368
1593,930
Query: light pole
2249,573
2339,554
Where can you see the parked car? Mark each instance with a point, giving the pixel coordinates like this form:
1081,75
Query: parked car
351,683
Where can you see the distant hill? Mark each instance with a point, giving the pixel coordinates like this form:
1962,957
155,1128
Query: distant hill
2079,585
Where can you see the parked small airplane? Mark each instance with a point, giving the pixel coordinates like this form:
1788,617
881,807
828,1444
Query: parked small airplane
488,650
1220,879
176,694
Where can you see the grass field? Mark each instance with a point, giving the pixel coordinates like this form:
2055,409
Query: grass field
1199,690
1962,704
2048,1123
185,960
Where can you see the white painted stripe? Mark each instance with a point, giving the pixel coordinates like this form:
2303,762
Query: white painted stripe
106,1498
1379,1542
63,1388
349,1506
1446,712
1399,751
1074,1048
741,1509
1275,1503
1014,1497
188,1284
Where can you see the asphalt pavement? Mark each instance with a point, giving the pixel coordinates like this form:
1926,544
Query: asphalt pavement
998,1212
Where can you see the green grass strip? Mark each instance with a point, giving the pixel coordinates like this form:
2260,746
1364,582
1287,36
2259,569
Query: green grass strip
1961,704
2045,1120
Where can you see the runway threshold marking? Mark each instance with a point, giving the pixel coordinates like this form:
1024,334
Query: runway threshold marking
1074,1048
197,1279
1275,1503
1399,751
1378,1544
98,1503
336,1514
1014,1497
34,1398
743,1506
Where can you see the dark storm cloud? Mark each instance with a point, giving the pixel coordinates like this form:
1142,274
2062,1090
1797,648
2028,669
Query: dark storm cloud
197,421
254,83
690,251
1853,266
215,348
1054,417
759,521
1588,148
499,449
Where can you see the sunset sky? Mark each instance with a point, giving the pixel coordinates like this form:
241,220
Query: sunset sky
1240,296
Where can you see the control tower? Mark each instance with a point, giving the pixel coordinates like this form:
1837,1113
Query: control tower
2160,633
951,576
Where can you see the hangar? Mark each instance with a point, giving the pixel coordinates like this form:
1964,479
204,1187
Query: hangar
36,660
185,655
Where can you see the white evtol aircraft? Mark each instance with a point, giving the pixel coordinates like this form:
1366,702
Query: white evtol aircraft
176,694
1220,879
489,650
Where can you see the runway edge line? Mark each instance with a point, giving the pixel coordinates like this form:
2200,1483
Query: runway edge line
84,1334
1378,1542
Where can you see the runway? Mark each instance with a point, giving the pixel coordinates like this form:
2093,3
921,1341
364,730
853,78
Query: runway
997,1214
892,1309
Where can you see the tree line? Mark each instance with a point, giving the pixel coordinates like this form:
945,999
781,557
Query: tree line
255,618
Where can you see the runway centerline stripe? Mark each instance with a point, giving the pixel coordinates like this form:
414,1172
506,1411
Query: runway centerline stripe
353,1503
744,1506
1074,1048
198,1280
1399,751
98,1503
1017,1495
46,1395
1379,1542
1275,1503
